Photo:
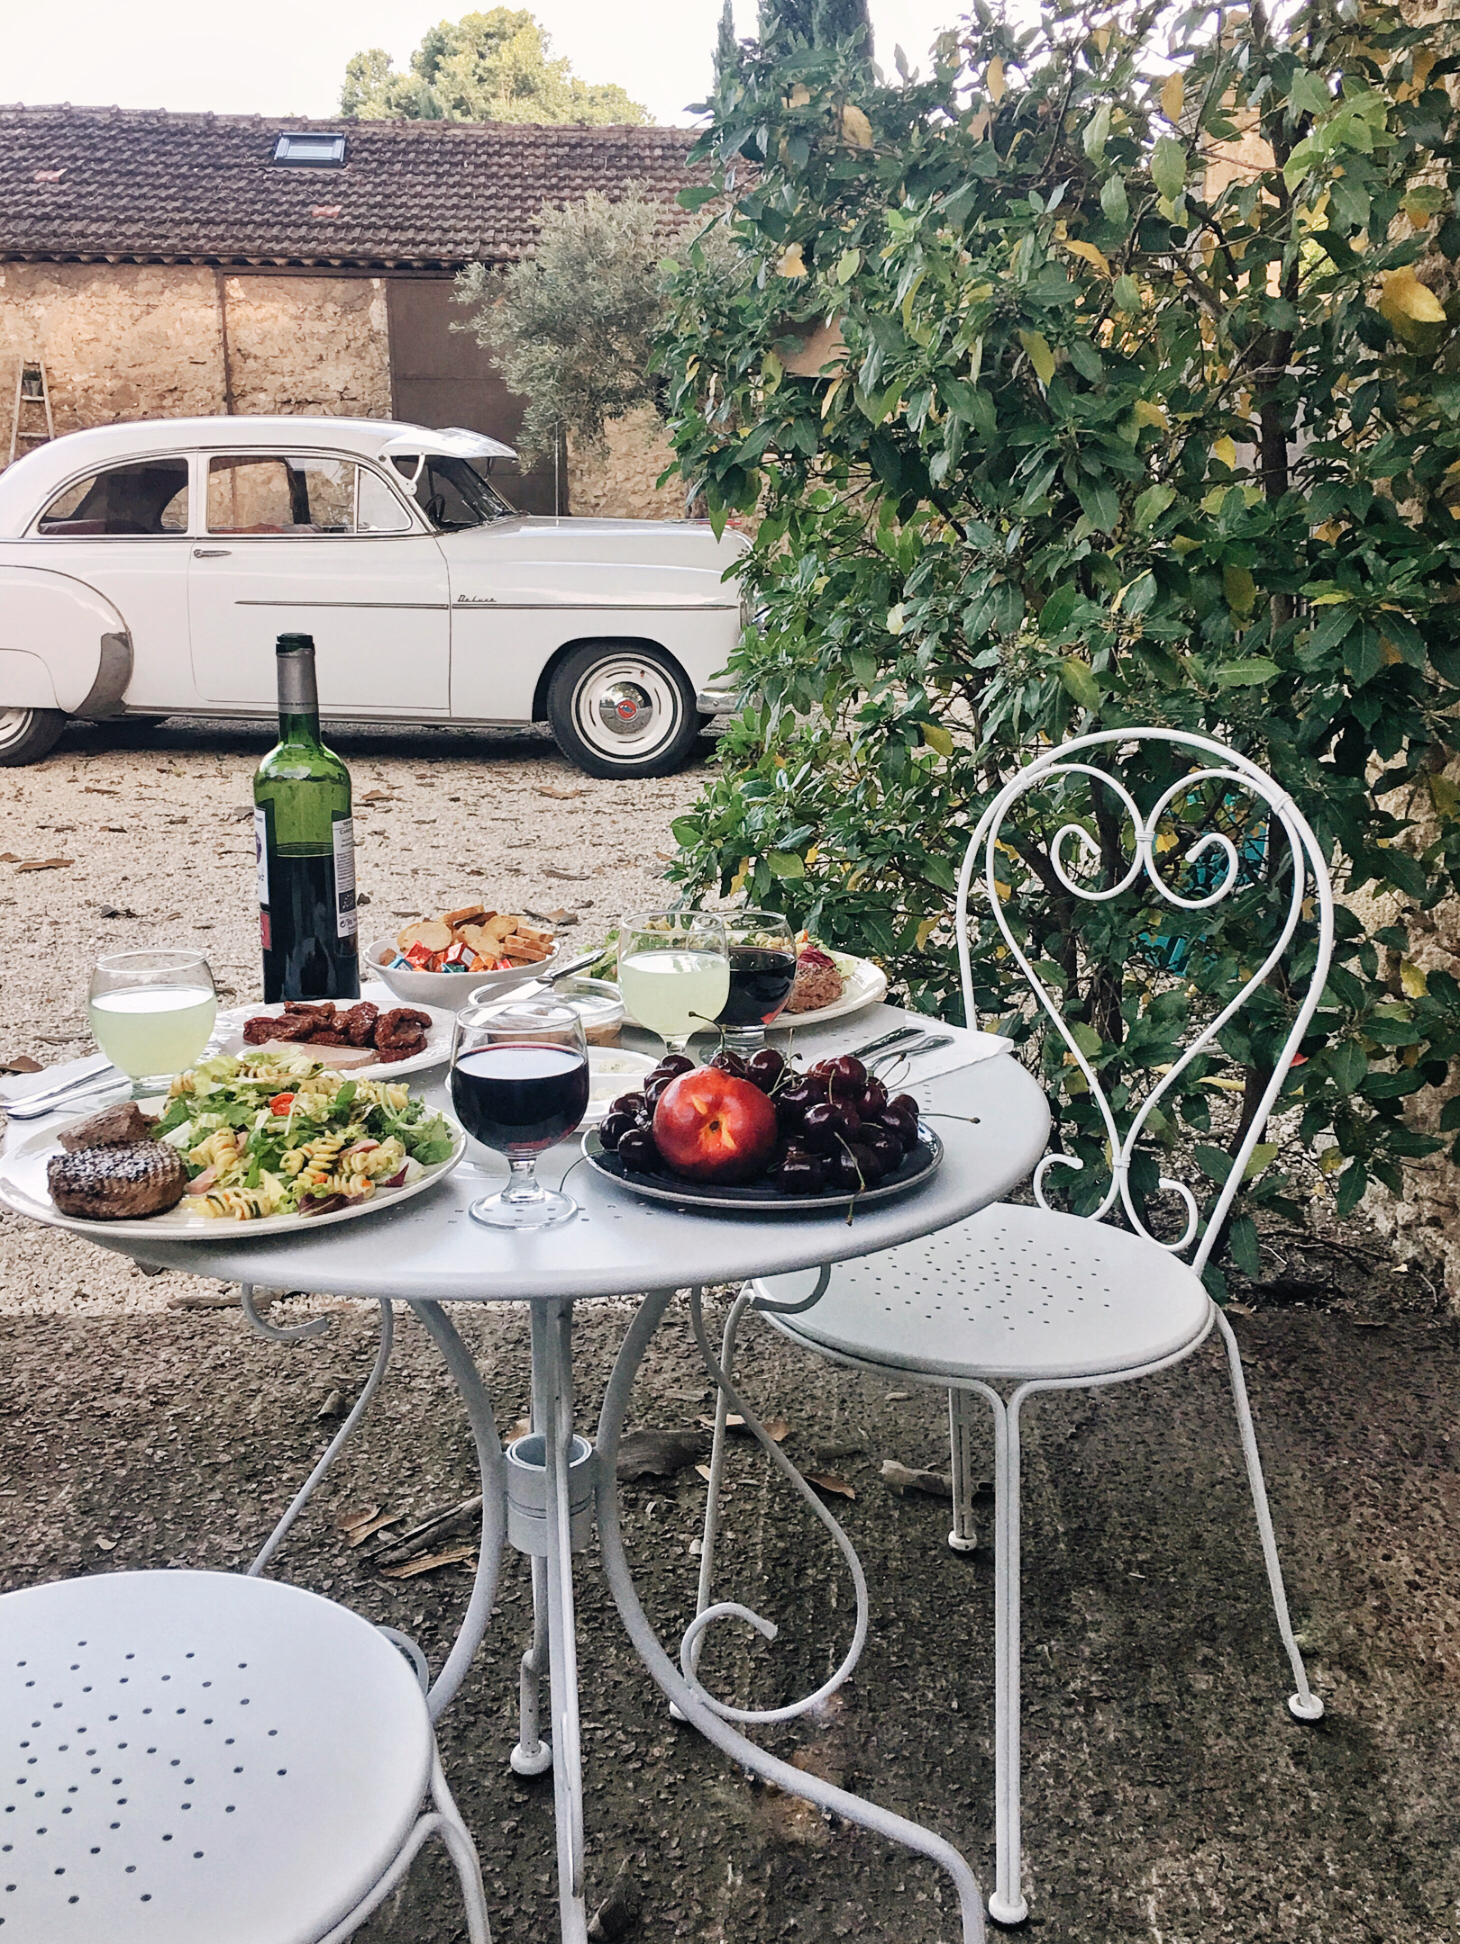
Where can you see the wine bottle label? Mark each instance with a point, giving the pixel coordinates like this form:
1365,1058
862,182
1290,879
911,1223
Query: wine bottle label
346,921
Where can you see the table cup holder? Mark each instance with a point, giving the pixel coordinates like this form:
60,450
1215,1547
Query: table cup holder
527,1526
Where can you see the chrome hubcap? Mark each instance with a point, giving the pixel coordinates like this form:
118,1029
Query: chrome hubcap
625,708
13,724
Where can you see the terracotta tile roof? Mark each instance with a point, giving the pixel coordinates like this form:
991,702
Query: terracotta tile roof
108,184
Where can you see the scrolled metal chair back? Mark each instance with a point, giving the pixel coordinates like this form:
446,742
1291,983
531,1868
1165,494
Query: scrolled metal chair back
1206,872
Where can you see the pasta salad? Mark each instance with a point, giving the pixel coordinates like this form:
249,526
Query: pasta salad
274,1134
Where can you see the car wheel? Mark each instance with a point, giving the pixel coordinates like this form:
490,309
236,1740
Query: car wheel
27,734
620,710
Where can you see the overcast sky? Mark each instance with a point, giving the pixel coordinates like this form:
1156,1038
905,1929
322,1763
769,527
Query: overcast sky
287,57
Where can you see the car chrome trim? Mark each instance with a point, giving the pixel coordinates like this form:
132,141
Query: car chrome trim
482,601
416,607
717,701
113,673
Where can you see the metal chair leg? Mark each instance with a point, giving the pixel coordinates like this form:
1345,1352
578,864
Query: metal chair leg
1007,1905
1304,1705
964,1536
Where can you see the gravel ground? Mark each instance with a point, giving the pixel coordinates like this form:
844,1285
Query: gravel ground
1168,1795
149,816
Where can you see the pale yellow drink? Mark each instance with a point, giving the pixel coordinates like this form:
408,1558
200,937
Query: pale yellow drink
153,1030
674,992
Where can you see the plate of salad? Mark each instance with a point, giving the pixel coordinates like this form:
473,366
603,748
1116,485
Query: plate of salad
274,1144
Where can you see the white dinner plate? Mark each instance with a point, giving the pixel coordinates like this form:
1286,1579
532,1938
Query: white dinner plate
23,1190
865,984
228,1034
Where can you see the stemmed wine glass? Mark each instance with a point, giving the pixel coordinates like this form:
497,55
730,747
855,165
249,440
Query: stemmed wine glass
762,948
519,1082
151,1014
673,971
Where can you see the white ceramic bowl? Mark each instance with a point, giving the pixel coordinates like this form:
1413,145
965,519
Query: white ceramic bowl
449,989
597,1000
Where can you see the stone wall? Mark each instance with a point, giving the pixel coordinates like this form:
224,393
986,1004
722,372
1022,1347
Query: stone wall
132,341
617,482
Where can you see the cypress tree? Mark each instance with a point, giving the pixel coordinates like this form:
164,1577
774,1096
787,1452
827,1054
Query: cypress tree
727,48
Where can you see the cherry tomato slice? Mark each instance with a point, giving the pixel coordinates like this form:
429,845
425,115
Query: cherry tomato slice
280,1104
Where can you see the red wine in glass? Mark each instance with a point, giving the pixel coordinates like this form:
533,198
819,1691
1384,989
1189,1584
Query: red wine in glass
520,1097
760,983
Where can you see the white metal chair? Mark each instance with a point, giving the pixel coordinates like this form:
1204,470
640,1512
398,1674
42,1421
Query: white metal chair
204,1758
1020,1300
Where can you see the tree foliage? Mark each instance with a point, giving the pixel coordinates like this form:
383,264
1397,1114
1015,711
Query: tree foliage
1142,404
575,324
484,67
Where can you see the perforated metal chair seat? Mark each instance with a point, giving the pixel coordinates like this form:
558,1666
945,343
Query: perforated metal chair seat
1010,1293
198,1758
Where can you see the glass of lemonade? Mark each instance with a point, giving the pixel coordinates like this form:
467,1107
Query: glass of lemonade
673,971
151,1013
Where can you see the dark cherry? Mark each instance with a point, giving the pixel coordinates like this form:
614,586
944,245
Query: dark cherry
800,1095
823,1070
875,1095
613,1127
848,1120
633,1104
841,1171
849,1074
729,1062
872,1169
656,1085
765,1068
637,1151
886,1146
801,1174
673,1064
821,1127
893,1122
905,1104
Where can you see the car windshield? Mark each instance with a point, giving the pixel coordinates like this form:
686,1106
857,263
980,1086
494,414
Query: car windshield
453,493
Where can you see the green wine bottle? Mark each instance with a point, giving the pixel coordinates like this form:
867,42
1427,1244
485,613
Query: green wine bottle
304,836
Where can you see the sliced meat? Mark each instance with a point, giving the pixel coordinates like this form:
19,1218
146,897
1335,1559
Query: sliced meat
401,1024
388,1055
358,1024
116,1184
120,1126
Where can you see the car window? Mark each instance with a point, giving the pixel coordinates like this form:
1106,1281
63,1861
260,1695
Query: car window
377,509
259,492
453,493
149,496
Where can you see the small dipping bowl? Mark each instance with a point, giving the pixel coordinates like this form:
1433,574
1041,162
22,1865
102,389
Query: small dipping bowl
596,1001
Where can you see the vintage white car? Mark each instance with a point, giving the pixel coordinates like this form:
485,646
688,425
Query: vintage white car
146,569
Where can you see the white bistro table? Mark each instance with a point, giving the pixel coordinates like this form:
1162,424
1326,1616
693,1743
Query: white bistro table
544,1493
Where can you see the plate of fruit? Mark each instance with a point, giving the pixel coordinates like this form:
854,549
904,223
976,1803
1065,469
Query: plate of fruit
763,1137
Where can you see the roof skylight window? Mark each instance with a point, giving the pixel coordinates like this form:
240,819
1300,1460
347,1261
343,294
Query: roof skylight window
300,150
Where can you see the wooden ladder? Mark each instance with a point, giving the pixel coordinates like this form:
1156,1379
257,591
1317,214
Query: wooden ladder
32,391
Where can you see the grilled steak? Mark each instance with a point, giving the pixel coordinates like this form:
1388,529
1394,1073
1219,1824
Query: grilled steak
119,1126
115,1184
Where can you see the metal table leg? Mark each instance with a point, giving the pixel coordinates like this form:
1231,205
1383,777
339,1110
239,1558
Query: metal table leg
691,1705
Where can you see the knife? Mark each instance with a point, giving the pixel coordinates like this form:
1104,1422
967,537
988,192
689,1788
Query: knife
33,1105
888,1039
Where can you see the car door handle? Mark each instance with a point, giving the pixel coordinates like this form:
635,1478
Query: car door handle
211,553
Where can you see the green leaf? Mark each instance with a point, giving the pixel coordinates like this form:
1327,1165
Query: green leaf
1097,132
938,738
1351,1185
685,831
848,264
1127,293
1261,1156
1040,356
697,197
1309,93
1101,506
1246,674
1079,678
1242,1242
1168,167
1113,200
786,864
1151,505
